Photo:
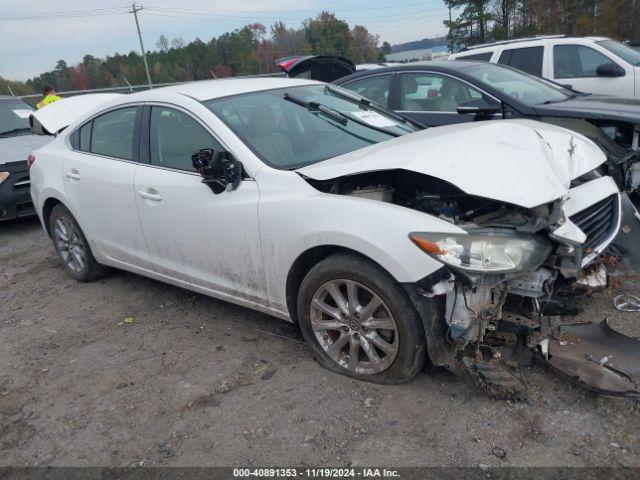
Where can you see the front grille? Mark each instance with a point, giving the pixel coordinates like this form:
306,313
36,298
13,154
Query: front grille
22,181
598,222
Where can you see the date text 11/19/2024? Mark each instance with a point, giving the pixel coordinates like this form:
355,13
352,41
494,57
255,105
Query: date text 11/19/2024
315,473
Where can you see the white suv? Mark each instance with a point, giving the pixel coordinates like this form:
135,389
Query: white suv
588,64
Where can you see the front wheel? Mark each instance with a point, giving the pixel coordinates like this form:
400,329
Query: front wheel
72,246
360,322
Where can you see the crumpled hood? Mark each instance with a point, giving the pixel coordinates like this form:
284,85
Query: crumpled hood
521,162
18,148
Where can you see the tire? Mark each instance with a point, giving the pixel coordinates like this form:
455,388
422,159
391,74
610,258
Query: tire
72,247
398,341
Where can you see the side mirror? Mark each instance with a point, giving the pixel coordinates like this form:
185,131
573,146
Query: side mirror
219,171
478,107
610,70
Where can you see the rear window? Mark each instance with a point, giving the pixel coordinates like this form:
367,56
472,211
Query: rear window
479,57
14,116
528,59
112,133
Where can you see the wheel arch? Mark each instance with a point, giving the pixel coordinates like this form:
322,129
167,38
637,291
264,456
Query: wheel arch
47,207
305,262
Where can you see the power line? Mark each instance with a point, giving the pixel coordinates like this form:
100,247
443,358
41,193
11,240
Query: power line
93,12
356,20
195,10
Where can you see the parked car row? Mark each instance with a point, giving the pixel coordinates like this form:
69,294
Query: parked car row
386,242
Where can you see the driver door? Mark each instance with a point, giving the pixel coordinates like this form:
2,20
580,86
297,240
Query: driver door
193,236
576,66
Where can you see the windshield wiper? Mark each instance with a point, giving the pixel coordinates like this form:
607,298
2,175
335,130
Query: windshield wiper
337,115
315,106
369,104
570,97
16,130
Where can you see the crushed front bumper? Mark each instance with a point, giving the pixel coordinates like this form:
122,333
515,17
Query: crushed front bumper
15,196
472,328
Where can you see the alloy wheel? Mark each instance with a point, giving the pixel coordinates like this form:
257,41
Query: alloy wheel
354,326
69,244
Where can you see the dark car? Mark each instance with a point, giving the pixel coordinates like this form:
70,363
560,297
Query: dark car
446,92
16,142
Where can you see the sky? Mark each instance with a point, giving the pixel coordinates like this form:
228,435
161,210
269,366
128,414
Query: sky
35,34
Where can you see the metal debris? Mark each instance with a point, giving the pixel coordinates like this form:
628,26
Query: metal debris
596,357
498,381
595,280
627,303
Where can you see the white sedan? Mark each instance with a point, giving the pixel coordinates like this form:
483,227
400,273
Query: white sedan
311,204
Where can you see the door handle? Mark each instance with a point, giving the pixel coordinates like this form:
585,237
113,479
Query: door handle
73,174
150,196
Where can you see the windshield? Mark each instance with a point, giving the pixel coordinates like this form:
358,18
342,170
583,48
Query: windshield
519,86
292,127
628,54
14,116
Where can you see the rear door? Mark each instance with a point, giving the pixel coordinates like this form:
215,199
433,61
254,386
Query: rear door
98,175
527,59
432,98
211,241
378,88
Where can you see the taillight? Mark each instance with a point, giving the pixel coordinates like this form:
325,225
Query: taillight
287,62
30,161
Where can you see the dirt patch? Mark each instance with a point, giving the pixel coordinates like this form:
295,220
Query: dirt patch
195,381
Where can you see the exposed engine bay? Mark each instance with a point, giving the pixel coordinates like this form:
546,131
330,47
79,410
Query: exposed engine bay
487,324
442,200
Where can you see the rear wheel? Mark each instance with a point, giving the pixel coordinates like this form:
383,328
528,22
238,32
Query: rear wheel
360,322
72,246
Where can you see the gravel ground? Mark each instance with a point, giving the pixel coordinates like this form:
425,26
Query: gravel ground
129,371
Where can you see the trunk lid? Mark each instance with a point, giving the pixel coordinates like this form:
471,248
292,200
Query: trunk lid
325,68
57,116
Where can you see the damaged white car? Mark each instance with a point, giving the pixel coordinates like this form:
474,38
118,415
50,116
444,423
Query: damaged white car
302,200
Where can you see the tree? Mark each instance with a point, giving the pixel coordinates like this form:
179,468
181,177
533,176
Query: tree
474,14
328,35
364,45
477,21
177,43
253,48
163,44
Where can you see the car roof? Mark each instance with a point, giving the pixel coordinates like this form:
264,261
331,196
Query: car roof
555,38
210,89
442,65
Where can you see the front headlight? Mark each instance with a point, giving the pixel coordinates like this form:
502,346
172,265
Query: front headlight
3,176
485,250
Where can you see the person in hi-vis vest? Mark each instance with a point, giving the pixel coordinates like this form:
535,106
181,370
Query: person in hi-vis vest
49,95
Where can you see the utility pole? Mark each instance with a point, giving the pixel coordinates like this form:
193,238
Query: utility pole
135,11
450,32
